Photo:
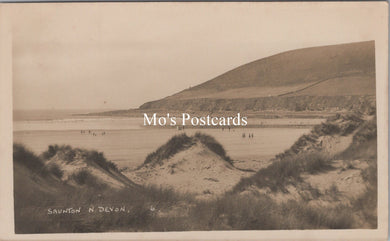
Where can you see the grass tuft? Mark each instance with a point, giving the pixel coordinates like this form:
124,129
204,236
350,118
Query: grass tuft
287,171
181,142
176,144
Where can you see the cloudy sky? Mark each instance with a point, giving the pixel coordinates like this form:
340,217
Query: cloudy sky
120,55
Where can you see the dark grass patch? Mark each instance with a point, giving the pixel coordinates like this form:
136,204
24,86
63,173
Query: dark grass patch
85,178
258,212
367,132
287,171
28,159
213,145
367,202
364,144
174,145
327,129
68,154
65,152
182,142
99,159
367,205
55,170
302,216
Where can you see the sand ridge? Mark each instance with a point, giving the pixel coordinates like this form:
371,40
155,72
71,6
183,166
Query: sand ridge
79,163
196,170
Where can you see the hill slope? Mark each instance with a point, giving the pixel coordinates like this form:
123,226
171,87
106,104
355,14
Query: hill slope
336,70
297,67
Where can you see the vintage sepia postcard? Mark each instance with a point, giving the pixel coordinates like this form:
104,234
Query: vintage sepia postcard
194,121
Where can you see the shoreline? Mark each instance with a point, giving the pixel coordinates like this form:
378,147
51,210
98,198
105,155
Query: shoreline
257,114
189,127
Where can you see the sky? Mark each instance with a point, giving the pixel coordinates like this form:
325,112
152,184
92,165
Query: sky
121,55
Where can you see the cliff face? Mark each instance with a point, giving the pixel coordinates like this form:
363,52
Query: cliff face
290,103
319,78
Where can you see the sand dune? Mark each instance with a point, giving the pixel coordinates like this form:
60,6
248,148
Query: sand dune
81,167
196,169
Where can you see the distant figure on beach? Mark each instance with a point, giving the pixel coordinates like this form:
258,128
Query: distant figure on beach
229,128
243,135
89,132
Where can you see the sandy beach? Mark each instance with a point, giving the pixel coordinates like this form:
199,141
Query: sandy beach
128,148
